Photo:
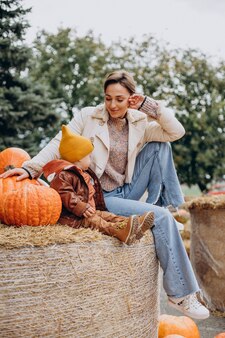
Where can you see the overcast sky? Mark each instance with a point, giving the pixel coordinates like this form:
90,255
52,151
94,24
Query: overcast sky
182,23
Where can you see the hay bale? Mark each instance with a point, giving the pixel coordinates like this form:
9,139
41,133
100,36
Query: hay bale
207,203
207,249
61,282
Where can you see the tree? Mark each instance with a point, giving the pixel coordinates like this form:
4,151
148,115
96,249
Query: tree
194,88
198,97
72,67
26,111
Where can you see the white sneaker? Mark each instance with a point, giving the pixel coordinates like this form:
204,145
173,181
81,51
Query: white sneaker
190,306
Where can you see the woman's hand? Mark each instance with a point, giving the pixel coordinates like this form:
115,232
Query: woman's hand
135,101
89,212
22,174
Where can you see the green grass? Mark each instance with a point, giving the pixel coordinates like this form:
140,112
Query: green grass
191,191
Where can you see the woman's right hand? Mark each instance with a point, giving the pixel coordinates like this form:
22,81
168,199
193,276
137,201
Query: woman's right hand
135,101
20,172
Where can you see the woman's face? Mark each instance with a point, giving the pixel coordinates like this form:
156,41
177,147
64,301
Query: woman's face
116,100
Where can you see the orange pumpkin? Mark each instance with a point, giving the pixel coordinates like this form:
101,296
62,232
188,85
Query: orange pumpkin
31,205
220,335
10,183
174,336
12,158
180,325
181,216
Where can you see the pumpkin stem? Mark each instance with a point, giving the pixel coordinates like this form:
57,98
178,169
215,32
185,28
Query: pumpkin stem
8,167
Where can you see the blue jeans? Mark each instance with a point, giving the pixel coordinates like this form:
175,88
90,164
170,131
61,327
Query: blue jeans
155,172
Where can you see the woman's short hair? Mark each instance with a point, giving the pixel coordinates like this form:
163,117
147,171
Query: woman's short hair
122,77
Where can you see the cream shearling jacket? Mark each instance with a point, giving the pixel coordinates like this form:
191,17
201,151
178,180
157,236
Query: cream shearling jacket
91,122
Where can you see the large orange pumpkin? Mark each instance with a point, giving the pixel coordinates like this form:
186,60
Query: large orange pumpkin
181,325
10,183
31,205
174,336
12,158
220,335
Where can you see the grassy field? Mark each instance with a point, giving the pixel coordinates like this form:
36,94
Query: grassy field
192,191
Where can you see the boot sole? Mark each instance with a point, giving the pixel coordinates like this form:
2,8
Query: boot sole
147,224
131,237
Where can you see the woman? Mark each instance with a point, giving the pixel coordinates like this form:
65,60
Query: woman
131,155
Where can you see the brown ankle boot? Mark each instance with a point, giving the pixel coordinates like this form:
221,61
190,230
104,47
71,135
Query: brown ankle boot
134,229
146,222
133,223
125,231
140,225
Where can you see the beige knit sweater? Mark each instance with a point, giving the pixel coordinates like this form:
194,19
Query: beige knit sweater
114,174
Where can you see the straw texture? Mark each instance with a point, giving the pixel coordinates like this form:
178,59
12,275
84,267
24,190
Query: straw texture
207,250
207,202
90,286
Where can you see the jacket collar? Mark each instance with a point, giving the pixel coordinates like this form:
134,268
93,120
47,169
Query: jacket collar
56,166
133,115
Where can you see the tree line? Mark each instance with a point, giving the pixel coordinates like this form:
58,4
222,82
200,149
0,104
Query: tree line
42,86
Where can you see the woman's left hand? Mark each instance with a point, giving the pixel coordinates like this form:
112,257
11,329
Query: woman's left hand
135,101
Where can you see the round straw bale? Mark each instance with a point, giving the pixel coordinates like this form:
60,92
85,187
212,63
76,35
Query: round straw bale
207,249
57,281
